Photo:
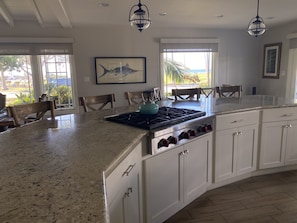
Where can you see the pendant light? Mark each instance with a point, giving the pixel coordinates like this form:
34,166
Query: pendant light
256,26
139,17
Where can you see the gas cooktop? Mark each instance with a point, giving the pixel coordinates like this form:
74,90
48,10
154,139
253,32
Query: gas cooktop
166,116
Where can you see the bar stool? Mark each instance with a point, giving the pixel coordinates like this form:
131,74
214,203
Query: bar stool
94,103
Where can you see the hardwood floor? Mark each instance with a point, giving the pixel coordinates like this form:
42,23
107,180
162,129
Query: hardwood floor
261,199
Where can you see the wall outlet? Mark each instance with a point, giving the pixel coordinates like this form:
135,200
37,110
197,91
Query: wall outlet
282,73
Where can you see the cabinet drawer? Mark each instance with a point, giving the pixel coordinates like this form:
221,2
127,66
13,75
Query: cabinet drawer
279,114
237,119
116,180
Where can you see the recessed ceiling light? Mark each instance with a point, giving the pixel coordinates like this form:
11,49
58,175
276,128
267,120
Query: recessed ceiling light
103,4
162,13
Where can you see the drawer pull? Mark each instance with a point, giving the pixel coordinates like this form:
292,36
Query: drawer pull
236,121
287,115
128,170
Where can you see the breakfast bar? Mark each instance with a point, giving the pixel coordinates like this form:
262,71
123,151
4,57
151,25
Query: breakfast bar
53,170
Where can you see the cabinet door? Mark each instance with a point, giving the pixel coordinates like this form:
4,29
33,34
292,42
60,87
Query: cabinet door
225,154
132,201
123,189
273,142
197,168
116,206
247,144
162,180
291,146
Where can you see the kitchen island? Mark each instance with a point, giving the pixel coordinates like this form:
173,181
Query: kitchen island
52,170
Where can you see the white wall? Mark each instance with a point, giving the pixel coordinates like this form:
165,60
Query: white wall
238,53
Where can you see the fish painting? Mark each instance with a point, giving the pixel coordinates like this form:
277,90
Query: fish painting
125,70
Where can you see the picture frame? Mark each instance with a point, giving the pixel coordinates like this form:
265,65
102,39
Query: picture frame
120,70
271,62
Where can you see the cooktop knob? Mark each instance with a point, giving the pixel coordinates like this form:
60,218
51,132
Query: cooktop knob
209,127
163,143
184,135
204,128
172,140
192,132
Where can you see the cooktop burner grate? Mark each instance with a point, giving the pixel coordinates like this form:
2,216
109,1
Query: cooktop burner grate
166,116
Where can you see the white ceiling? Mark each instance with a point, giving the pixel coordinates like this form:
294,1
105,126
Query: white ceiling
231,14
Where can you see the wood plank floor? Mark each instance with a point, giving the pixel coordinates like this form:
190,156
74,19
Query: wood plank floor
261,199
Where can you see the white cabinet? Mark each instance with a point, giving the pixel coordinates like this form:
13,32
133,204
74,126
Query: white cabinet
176,177
236,143
124,191
278,137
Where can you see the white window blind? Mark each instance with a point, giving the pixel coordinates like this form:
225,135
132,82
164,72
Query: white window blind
189,45
35,46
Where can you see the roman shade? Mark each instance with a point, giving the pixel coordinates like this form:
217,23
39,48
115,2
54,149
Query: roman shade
35,46
189,45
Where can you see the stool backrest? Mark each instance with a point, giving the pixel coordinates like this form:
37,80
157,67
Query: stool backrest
94,103
31,112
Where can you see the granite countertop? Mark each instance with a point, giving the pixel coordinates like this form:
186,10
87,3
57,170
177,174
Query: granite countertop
52,170
218,106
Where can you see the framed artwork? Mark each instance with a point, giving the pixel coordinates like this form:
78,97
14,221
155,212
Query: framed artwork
272,58
120,70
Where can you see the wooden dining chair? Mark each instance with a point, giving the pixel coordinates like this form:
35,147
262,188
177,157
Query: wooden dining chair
24,113
226,91
157,94
135,97
42,97
2,101
207,91
95,103
186,94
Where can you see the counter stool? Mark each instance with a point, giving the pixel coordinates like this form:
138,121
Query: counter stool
94,103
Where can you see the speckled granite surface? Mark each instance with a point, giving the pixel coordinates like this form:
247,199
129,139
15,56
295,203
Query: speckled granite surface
51,171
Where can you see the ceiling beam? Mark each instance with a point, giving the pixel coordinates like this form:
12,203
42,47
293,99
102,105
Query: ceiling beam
37,12
6,14
61,13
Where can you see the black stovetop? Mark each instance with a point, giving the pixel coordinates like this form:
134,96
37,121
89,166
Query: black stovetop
166,116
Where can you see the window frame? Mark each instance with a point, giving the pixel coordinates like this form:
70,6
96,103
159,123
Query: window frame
207,43
34,47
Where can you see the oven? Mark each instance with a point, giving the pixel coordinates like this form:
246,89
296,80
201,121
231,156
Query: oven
168,128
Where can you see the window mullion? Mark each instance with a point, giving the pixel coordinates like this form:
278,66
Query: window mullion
36,76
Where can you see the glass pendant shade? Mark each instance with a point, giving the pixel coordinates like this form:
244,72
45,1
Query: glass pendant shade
256,26
139,17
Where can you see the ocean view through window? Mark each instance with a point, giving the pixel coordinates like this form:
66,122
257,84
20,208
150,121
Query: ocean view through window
187,64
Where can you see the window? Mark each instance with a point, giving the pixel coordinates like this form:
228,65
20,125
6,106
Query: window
56,79
291,89
187,63
32,69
